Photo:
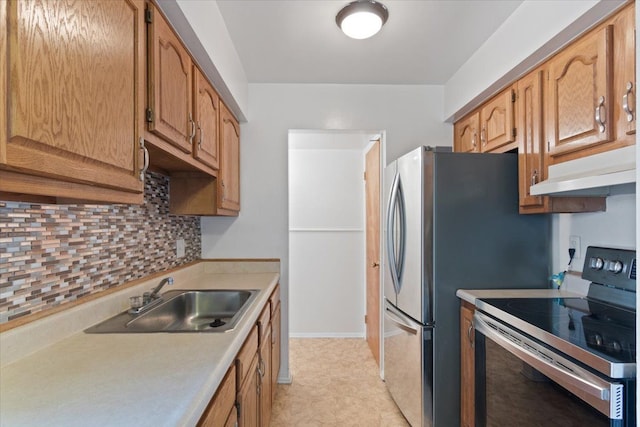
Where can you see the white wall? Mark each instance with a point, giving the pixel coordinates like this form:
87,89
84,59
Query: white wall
326,242
614,228
533,32
410,115
202,29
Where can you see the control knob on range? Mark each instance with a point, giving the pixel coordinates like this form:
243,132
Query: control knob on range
595,339
615,266
617,347
596,263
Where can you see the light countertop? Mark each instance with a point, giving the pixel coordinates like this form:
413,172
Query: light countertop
573,287
470,295
152,379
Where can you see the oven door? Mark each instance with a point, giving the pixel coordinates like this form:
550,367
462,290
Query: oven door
521,382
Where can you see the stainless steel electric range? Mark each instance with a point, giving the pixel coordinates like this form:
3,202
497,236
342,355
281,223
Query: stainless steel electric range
561,361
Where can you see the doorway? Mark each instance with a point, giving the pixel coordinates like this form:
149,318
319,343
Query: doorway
327,234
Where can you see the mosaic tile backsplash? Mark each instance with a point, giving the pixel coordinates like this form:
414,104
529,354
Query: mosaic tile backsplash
54,254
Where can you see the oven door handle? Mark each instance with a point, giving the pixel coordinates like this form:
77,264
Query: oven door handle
579,379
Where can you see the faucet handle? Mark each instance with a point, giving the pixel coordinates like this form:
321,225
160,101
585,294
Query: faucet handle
146,298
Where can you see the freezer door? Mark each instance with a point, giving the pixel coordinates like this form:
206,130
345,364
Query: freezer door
407,365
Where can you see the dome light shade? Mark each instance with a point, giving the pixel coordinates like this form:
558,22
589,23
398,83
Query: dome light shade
362,19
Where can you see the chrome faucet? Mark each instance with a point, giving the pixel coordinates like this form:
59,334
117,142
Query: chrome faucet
150,296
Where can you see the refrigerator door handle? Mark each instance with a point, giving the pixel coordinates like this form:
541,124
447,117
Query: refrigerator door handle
390,236
403,231
396,244
402,323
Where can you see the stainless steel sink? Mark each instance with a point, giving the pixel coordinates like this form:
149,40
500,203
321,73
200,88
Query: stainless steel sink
184,311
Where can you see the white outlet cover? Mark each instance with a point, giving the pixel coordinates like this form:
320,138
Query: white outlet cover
574,243
180,251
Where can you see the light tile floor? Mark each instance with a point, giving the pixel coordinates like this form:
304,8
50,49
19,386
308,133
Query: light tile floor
335,383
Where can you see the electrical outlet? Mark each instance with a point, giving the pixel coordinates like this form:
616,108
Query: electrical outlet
574,243
180,248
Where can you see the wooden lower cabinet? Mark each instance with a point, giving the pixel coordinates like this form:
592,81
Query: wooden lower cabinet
232,420
222,406
275,347
248,403
467,366
245,395
264,389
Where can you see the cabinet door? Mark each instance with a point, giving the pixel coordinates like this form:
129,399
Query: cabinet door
467,368
232,420
265,378
229,177
222,403
496,122
169,81
206,115
248,404
465,139
624,84
530,143
73,107
580,102
275,350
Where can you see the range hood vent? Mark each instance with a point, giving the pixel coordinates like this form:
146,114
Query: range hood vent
591,175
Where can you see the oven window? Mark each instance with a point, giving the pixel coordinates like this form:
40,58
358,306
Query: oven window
517,395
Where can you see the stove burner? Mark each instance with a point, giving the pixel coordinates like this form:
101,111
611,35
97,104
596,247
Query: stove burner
592,325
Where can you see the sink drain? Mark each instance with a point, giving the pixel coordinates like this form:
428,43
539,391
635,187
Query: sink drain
217,323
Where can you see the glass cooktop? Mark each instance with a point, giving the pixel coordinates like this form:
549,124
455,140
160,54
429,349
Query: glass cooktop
606,331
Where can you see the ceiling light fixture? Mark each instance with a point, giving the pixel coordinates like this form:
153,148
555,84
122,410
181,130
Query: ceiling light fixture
362,19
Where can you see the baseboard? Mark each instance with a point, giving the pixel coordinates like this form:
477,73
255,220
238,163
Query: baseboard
327,335
285,379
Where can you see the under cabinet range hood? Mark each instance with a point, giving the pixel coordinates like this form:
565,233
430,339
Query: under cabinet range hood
591,175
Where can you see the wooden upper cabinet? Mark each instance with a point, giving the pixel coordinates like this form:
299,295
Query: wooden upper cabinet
169,65
466,134
580,102
497,129
205,113
73,91
229,175
624,83
531,168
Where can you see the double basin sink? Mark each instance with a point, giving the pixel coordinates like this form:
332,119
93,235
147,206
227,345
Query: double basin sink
184,311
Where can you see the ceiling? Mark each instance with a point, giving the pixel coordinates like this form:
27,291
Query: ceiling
298,41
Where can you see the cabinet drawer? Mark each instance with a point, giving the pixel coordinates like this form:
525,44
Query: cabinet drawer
222,403
275,299
246,354
264,321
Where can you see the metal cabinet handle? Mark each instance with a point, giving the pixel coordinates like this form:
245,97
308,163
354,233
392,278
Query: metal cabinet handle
599,116
469,337
483,137
375,264
625,102
260,369
201,133
145,156
473,140
534,177
224,189
193,128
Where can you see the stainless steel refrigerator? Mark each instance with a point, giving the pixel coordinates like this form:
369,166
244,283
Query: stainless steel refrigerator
451,222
